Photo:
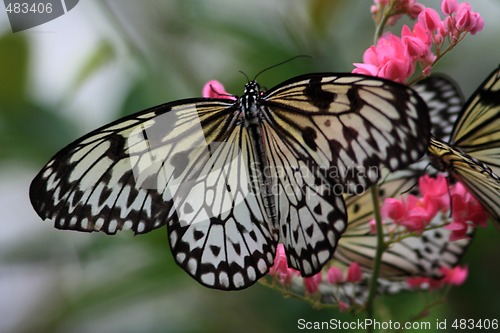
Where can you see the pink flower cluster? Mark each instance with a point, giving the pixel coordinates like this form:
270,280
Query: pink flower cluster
416,213
334,274
395,57
467,212
455,276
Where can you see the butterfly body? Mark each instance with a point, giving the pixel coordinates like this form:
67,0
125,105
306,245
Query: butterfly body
232,178
249,104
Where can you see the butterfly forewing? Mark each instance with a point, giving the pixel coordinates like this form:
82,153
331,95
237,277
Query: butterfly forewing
109,179
350,126
478,130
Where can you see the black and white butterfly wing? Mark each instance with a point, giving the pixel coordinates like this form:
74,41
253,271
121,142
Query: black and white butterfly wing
445,102
350,126
311,216
473,155
183,164
477,131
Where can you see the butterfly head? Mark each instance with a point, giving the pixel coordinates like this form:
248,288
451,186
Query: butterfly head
252,88
249,102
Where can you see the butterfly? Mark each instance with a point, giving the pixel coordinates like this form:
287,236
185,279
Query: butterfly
230,179
413,256
473,155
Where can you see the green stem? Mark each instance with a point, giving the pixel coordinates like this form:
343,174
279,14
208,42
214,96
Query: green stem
378,255
379,29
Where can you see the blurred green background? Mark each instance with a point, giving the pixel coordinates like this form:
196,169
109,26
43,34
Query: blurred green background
105,59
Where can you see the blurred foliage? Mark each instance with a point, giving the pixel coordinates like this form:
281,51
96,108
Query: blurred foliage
130,284
19,114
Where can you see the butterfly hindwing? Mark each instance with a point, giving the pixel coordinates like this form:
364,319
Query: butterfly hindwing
445,102
223,238
311,215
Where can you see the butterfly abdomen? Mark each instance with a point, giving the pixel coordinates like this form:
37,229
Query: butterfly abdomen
252,120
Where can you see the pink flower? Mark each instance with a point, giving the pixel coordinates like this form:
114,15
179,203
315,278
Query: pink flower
409,7
394,209
414,10
354,273
467,212
417,46
373,226
412,213
458,230
334,275
419,43
429,19
416,281
455,276
466,208
388,59
280,266
312,283
215,89
449,7
467,20
435,190
395,59
419,213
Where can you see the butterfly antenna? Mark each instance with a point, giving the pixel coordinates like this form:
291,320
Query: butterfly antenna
279,64
246,76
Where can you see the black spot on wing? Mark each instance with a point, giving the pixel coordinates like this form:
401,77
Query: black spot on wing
116,150
355,101
215,250
317,96
309,135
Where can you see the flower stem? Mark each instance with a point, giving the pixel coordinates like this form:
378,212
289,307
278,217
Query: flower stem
378,255
379,29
